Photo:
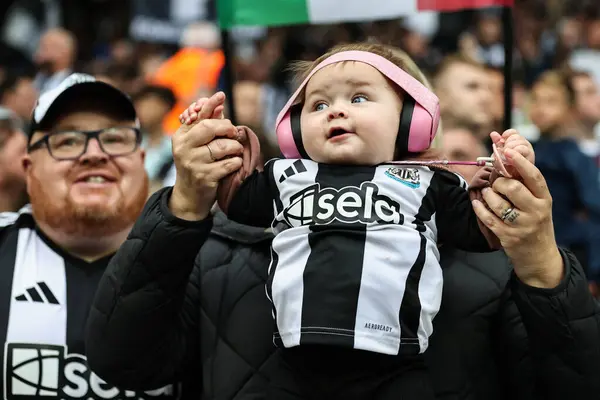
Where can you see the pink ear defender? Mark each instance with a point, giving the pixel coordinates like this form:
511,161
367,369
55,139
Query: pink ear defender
416,133
418,122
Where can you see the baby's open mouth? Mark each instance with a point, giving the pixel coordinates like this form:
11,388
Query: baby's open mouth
337,132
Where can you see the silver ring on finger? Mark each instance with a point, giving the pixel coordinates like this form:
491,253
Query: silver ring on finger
510,215
212,157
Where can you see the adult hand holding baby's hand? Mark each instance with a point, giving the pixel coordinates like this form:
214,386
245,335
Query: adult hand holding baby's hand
205,150
519,213
510,139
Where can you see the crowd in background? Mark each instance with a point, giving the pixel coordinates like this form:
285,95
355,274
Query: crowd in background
556,80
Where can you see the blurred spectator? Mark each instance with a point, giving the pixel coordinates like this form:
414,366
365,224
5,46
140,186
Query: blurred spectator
193,71
123,52
123,76
416,38
552,99
26,20
18,93
13,145
569,36
153,104
587,111
249,107
461,144
462,84
488,34
248,103
588,58
536,45
572,177
496,85
54,58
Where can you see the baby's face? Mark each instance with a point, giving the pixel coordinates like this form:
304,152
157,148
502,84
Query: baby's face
350,115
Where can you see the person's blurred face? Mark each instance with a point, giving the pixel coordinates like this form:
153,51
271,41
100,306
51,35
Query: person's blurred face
519,96
593,34
463,145
465,95
54,51
570,33
248,106
415,44
489,30
94,195
22,99
496,84
549,106
13,145
122,52
151,111
587,99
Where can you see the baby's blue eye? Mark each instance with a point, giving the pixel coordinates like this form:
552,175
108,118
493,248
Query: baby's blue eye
320,107
359,99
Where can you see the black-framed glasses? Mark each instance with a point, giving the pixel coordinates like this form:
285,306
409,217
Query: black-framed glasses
72,144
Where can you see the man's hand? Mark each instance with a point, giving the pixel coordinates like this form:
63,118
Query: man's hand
205,150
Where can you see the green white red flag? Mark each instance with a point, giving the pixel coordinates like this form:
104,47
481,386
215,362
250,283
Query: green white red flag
288,12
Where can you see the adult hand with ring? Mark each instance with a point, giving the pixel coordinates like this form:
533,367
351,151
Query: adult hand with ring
212,157
519,213
205,150
509,214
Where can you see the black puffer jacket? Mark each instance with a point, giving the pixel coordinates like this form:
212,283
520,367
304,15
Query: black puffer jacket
159,316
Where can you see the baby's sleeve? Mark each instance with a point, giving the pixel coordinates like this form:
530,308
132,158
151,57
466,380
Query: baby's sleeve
252,203
457,223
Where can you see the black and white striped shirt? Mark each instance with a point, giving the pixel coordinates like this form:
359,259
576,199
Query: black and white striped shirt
45,297
355,260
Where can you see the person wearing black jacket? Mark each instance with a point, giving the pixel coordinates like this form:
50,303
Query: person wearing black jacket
179,300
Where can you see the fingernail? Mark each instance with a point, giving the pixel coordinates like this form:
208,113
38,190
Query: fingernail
509,153
188,121
485,190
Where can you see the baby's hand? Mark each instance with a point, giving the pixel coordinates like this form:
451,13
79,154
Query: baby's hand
511,139
190,114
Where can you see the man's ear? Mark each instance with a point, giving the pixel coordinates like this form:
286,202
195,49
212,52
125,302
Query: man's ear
143,154
26,163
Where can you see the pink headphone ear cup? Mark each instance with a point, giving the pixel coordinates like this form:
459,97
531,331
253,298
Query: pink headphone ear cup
285,137
435,122
420,135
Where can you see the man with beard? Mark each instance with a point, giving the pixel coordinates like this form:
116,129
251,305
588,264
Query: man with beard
85,176
462,85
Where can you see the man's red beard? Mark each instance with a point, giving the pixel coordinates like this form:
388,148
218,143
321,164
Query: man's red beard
84,220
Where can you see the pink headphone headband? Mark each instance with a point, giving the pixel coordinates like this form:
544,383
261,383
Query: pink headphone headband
418,121
410,85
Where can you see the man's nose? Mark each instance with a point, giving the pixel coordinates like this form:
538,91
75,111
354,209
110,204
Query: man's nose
94,152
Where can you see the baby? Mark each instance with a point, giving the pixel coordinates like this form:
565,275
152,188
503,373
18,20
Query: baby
355,279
